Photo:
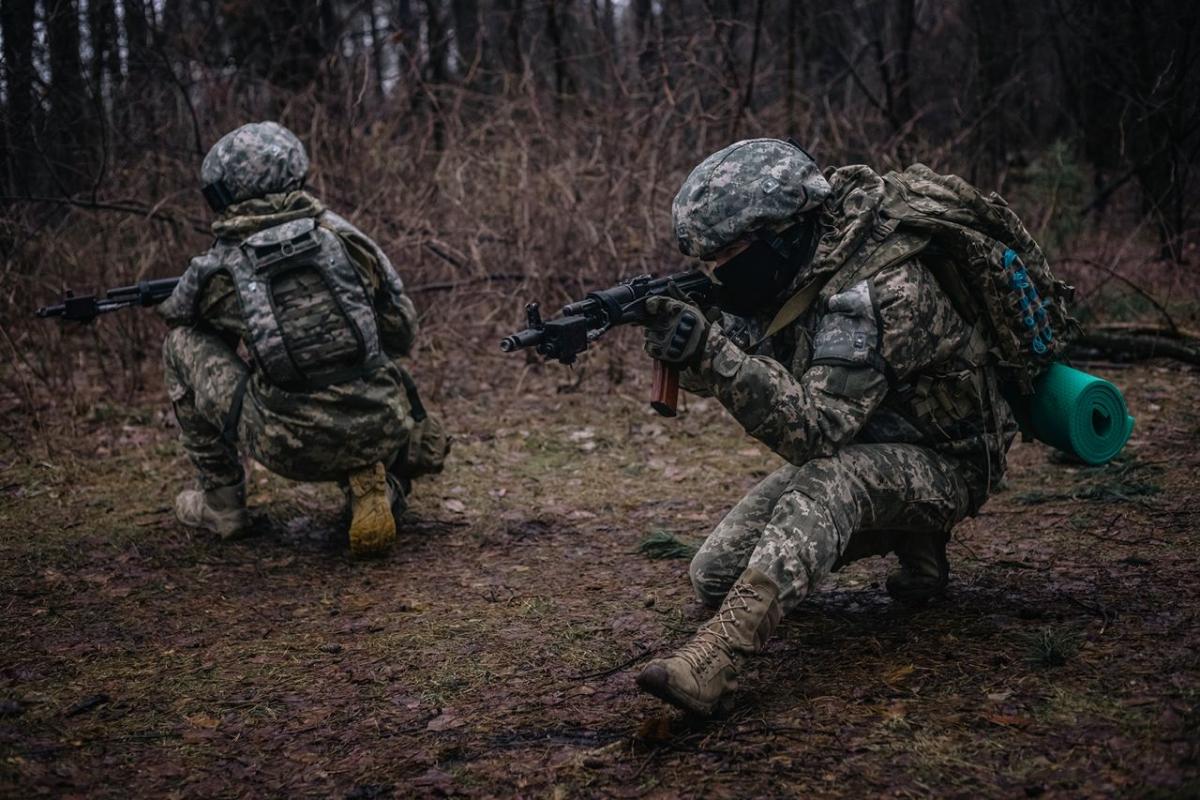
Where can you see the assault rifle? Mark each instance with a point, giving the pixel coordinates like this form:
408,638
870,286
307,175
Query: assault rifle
584,321
86,308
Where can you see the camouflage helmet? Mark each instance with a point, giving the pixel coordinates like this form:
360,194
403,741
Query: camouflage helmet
256,159
749,185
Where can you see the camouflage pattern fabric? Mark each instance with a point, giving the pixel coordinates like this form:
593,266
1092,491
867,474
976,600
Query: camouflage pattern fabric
207,293
203,373
749,185
803,522
319,436
316,435
256,159
803,410
879,395
309,316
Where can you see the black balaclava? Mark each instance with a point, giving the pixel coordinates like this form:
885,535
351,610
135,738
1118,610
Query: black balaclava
753,280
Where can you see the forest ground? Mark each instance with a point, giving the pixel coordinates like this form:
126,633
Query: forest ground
493,652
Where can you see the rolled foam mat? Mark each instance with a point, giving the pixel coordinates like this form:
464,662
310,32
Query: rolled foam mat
1080,413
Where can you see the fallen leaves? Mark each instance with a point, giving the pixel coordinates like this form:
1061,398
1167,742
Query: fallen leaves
447,720
203,721
655,730
1008,720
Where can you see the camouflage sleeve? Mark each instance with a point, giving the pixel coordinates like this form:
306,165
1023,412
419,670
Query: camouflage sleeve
921,324
740,332
800,418
218,306
393,307
885,328
205,296
179,310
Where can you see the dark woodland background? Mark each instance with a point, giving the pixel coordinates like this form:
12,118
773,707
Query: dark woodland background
505,150
502,147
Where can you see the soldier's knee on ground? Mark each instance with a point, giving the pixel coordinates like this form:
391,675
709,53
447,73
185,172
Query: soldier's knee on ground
712,576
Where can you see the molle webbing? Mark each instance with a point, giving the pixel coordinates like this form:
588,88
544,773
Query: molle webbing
310,319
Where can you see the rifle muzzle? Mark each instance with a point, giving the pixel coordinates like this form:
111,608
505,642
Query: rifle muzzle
520,340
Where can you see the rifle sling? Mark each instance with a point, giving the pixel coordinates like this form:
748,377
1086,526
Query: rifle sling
796,305
229,431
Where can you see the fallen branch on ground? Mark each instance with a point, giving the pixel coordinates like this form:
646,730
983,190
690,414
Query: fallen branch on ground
1139,346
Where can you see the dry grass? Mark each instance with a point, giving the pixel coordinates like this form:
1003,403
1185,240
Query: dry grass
485,656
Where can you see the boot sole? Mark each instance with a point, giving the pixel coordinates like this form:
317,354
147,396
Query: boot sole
372,525
655,681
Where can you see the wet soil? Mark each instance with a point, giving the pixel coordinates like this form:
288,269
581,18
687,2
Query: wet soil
493,652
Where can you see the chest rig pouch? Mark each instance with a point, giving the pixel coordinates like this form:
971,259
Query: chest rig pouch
310,318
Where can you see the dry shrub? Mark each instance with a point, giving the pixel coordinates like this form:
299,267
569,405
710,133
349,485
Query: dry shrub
483,200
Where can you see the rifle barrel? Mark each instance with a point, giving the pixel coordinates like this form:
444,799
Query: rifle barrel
521,339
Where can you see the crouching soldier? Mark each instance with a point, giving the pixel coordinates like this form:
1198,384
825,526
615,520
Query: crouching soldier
324,319
856,342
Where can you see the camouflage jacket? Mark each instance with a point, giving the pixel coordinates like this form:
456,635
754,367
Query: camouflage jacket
886,359
368,415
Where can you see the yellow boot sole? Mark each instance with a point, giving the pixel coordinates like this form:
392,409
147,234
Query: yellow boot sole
372,526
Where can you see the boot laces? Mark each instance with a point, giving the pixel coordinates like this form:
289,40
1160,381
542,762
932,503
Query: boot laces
716,635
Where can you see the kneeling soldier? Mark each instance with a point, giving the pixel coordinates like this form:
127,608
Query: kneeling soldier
840,350
324,318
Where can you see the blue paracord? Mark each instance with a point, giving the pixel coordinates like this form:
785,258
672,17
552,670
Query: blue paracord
1032,307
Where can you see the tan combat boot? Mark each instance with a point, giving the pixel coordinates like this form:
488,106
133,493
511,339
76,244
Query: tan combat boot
372,524
705,669
222,511
924,570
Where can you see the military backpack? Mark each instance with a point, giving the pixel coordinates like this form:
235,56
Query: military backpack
983,258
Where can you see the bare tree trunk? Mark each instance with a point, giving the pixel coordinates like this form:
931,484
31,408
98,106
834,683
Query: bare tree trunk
67,132
555,31
609,25
748,95
510,19
643,19
408,32
435,27
106,58
137,37
468,34
438,54
16,25
998,57
906,28
790,79
378,55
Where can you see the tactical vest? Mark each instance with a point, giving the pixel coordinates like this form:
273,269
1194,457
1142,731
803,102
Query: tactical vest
310,319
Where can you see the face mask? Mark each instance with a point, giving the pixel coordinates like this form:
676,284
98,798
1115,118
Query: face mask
752,280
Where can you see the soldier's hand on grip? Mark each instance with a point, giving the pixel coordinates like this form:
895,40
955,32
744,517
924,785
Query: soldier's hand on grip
675,331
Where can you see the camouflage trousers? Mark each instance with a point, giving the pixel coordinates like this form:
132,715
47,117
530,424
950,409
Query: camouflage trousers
804,522
322,435
203,376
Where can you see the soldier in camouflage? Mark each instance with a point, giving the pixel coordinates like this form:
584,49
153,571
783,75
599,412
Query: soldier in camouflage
325,321
840,351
